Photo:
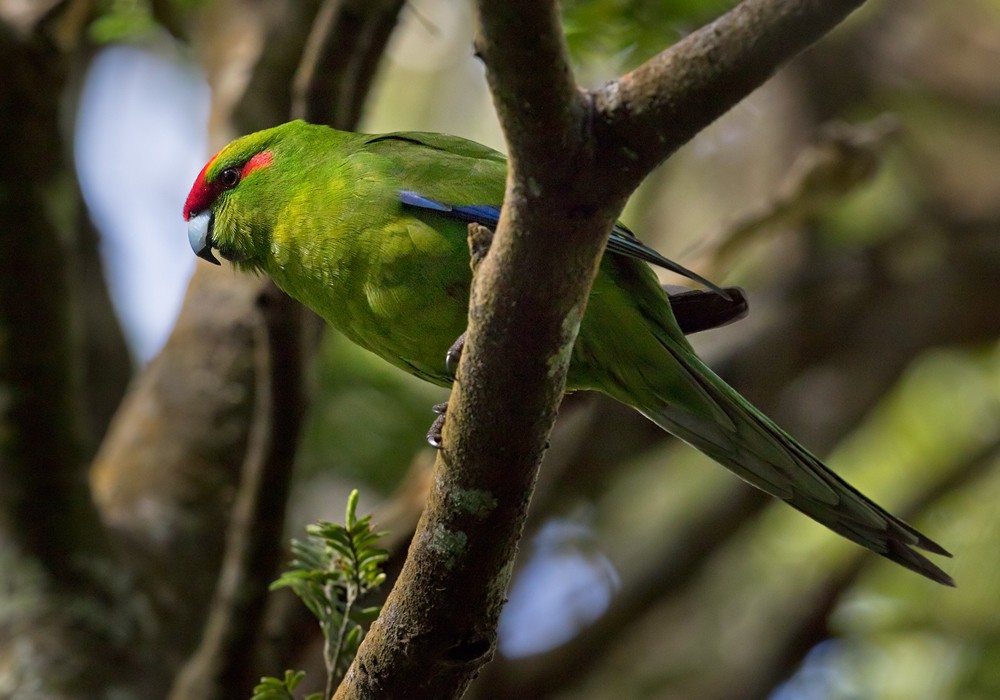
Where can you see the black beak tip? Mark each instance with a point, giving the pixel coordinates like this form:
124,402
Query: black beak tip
206,254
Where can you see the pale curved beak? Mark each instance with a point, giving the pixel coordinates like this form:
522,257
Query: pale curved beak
200,236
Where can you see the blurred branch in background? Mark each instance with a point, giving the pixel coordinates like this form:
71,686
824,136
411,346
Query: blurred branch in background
73,613
339,60
843,158
227,653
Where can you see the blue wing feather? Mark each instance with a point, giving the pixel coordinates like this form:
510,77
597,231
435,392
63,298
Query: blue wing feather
411,198
621,242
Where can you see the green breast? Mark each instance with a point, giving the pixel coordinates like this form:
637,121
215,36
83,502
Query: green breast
393,280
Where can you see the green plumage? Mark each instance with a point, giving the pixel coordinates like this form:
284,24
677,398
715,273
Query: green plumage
324,218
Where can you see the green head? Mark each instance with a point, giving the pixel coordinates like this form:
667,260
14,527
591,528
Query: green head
236,195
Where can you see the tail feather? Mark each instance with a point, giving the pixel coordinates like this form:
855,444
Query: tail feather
761,453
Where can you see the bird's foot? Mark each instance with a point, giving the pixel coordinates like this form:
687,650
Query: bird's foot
480,239
434,436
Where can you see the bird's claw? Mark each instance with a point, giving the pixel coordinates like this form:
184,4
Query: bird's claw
434,433
453,355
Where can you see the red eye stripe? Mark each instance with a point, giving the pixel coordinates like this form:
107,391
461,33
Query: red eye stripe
261,160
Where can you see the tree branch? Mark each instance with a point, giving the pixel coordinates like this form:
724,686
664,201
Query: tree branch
223,664
45,509
540,107
438,626
647,114
166,471
62,597
439,623
60,337
340,58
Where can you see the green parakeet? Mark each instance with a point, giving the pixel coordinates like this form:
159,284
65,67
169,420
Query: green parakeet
370,231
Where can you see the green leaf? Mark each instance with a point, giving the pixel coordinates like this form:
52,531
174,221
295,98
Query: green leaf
332,568
271,688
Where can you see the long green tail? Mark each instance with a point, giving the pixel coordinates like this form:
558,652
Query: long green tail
741,438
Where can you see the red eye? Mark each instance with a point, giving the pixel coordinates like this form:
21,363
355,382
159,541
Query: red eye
229,178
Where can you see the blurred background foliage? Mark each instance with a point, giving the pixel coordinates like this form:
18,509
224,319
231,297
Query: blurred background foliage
856,198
